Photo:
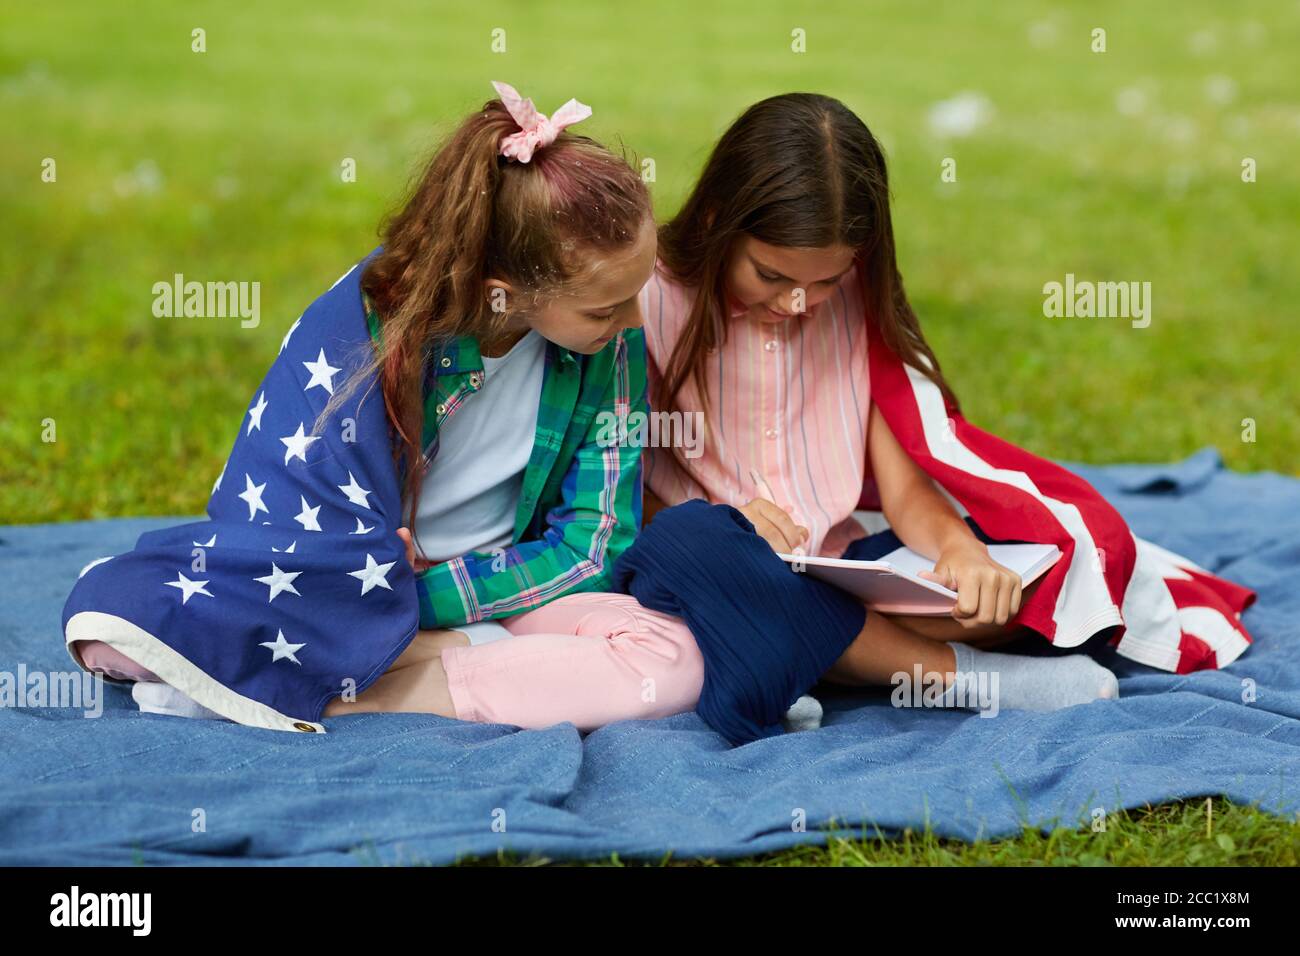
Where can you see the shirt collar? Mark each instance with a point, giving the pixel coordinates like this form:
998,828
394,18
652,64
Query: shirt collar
461,354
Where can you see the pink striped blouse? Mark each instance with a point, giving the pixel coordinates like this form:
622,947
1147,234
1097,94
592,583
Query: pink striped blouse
788,400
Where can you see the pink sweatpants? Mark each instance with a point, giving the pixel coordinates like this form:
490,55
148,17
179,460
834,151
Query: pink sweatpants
590,659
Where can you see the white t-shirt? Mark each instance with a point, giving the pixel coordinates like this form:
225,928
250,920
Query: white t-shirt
471,491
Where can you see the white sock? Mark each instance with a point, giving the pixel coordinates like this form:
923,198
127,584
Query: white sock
1031,683
804,714
155,697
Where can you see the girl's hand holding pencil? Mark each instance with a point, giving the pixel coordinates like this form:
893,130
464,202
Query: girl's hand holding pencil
772,522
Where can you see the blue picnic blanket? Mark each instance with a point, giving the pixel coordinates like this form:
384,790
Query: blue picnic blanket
130,787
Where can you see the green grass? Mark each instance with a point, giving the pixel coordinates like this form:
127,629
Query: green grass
225,165
1209,832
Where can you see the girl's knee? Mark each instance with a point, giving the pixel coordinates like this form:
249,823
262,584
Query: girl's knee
672,668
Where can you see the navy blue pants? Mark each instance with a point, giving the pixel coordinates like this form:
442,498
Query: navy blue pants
766,633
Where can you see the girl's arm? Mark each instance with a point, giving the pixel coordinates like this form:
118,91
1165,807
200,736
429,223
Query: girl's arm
595,520
927,523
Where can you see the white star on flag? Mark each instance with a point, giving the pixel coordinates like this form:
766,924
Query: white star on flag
322,374
307,517
372,574
187,587
281,648
293,328
217,484
295,445
356,494
288,550
210,543
253,495
362,529
255,414
279,581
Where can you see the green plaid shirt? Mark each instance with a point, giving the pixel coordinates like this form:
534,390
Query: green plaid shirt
580,506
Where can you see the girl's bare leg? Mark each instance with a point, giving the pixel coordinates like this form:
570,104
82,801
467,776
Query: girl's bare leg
415,683
890,644
946,629
885,648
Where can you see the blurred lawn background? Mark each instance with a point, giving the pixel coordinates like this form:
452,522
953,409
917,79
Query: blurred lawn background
225,165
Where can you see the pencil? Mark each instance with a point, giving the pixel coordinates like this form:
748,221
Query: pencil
764,488
761,484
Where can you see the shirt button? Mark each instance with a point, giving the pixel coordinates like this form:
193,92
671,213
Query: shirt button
441,409
771,345
446,362
475,379
770,433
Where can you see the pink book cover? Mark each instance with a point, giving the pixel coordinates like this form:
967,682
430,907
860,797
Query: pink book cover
892,585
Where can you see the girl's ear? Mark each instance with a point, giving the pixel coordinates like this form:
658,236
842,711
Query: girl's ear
498,295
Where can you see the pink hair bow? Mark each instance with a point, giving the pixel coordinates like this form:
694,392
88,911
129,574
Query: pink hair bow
535,129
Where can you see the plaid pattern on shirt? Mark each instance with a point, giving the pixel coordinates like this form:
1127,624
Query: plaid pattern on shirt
580,505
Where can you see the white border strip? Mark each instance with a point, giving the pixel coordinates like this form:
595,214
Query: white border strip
147,651
1084,605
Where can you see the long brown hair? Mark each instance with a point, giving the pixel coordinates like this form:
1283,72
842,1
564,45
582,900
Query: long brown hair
797,170
474,216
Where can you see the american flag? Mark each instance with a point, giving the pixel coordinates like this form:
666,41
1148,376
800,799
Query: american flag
296,589
1171,614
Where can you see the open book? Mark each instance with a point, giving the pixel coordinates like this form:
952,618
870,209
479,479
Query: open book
892,584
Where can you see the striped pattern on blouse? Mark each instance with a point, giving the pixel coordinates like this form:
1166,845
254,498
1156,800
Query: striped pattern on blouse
787,400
